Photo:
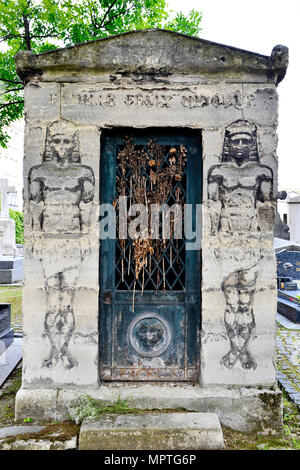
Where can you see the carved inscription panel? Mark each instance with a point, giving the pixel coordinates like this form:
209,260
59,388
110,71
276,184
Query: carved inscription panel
155,99
201,106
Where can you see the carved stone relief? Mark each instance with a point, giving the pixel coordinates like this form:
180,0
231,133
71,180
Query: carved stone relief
240,195
61,191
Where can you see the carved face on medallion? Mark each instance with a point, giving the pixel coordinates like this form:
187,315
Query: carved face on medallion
149,335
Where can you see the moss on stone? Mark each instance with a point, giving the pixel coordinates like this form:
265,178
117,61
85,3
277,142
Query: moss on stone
255,441
62,431
7,398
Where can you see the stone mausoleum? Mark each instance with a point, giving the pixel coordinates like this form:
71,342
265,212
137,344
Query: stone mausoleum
156,117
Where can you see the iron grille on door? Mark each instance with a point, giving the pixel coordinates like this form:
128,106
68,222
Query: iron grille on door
158,167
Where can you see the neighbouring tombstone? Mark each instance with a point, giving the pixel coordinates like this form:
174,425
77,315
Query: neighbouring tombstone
281,230
7,225
11,264
288,283
6,332
1,243
116,127
288,264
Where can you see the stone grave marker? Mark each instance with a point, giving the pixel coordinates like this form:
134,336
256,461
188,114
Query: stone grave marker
11,269
288,264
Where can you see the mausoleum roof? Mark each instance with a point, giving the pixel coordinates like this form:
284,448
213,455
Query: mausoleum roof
155,51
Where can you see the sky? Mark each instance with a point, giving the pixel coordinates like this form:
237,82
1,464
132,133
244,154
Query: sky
258,26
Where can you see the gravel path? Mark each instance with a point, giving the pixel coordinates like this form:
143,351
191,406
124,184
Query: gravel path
288,361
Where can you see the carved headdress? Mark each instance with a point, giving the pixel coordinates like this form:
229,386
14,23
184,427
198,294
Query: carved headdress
67,129
241,126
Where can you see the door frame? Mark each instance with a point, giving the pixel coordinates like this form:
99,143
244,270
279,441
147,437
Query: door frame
195,133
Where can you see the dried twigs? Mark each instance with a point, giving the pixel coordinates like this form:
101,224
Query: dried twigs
149,174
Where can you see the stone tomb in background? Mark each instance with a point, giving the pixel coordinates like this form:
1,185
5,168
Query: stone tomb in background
288,275
11,265
163,107
288,264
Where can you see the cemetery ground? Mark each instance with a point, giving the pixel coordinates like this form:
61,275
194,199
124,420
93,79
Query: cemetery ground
61,432
13,295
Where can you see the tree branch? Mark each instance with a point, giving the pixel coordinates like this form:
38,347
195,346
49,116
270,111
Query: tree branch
50,35
11,89
27,31
8,36
94,16
119,14
10,81
9,104
107,12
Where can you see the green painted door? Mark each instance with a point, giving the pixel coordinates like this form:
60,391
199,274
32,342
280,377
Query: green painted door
149,317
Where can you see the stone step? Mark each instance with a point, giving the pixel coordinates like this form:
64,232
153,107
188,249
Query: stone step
152,431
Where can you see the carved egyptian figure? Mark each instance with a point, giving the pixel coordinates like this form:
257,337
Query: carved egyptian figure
239,183
61,192
238,190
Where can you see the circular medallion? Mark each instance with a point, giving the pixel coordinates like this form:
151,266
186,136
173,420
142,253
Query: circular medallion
149,334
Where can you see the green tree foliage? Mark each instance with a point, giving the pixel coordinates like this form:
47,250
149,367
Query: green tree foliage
19,226
41,25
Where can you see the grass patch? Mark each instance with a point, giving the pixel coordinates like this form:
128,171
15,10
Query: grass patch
87,407
288,439
7,398
235,440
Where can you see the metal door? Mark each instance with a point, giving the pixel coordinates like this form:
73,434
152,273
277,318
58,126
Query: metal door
149,323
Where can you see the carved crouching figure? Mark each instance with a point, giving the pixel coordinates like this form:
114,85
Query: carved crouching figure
240,195
61,192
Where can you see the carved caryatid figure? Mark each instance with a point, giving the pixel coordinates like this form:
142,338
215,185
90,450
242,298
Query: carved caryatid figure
61,192
241,203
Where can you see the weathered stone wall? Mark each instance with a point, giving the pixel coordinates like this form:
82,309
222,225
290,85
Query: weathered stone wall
88,108
60,303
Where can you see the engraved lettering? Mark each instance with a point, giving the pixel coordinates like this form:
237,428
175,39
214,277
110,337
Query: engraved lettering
91,98
52,98
129,100
157,100
215,101
194,101
110,100
200,101
88,99
233,100
248,100
166,101
139,100
148,101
